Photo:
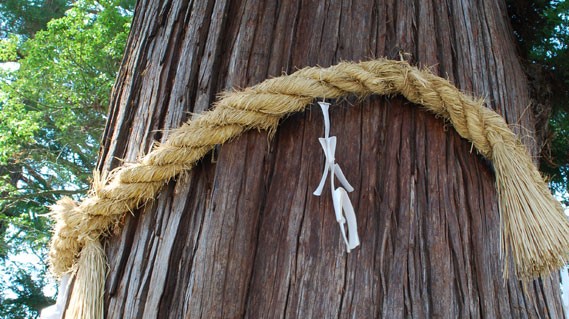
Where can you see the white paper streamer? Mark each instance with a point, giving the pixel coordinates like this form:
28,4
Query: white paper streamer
56,311
342,205
565,289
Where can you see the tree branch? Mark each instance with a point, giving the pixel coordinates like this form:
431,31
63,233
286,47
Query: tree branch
44,193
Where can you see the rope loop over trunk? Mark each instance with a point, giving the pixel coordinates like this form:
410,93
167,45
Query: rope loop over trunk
534,229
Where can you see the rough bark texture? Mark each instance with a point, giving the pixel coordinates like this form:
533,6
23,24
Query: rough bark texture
242,235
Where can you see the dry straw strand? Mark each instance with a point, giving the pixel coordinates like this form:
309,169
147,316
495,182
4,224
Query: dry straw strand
87,295
534,231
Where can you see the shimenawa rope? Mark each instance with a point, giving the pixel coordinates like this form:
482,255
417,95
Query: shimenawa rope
534,230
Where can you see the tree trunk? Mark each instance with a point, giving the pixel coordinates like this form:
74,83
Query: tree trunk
241,235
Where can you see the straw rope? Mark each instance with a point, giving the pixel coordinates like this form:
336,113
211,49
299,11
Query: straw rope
534,229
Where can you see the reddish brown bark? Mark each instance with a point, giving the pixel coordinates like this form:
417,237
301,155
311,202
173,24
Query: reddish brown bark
243,236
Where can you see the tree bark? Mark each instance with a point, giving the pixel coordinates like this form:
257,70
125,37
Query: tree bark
242,236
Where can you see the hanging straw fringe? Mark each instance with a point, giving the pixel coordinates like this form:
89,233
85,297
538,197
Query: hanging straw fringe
534,229
88,290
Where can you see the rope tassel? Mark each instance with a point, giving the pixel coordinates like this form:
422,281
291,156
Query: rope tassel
87,295
534,227
535,232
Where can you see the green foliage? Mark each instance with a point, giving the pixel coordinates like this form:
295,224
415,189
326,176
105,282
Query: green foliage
552,51
26,17
558,171
9,48
542,30
551,47
53,106
28,299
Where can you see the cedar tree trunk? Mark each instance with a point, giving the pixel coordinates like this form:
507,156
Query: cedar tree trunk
242,236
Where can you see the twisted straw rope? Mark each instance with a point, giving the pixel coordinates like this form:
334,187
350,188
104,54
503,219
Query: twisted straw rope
534,228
